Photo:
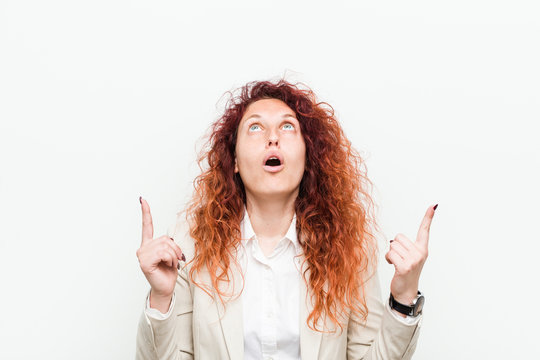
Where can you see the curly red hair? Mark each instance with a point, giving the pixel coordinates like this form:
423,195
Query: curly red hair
335,226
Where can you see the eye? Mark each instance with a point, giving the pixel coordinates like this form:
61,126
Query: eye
288,126
254,127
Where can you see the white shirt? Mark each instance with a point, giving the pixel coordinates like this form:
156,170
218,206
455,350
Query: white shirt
271,297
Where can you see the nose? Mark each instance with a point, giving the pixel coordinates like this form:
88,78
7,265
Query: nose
272,140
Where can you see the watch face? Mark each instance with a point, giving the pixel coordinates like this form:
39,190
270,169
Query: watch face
419,305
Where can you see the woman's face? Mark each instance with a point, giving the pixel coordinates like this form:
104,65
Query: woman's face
269,129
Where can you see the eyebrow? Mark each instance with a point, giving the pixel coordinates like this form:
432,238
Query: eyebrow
259,116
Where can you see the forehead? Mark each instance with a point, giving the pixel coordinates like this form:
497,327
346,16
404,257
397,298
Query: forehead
266,107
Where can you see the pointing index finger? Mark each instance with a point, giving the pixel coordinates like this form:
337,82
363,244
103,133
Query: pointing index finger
423,233
147,225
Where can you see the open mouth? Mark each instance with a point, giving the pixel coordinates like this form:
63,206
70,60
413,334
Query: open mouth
273,161
273,164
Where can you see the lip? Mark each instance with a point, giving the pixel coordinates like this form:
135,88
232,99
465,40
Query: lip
273,154
273,168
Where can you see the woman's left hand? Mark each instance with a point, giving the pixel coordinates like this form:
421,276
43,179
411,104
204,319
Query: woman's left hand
408,258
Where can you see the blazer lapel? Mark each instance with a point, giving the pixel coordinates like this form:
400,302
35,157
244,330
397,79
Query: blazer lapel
232,319
232,316
310,341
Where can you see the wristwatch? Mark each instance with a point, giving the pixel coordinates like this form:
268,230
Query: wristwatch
413,309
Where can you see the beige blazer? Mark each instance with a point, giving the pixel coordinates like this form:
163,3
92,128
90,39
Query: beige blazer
200,328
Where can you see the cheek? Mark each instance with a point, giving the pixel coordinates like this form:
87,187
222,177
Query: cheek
241,159
298,165
246,164
301,156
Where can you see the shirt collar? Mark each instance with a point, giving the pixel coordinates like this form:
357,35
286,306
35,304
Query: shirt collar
248,233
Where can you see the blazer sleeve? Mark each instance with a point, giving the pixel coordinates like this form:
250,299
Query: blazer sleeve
382,336
172,337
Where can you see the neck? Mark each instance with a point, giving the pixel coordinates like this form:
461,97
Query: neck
270,218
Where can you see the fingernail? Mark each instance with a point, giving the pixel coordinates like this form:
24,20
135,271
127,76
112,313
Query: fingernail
435,207
183,258
391,240
178,266
140,197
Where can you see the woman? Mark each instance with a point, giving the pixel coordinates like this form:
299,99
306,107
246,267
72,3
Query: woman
276,257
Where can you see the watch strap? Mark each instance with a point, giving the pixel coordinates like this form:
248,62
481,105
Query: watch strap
402,308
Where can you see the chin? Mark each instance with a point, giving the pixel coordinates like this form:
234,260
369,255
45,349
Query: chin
276,192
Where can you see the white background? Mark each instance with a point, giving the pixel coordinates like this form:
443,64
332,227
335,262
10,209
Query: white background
103,101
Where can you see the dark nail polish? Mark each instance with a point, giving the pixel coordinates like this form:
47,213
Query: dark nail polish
183,258
435,207
391,240
178,266
140,197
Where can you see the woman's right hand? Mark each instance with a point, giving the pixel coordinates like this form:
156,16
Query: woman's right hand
158,257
